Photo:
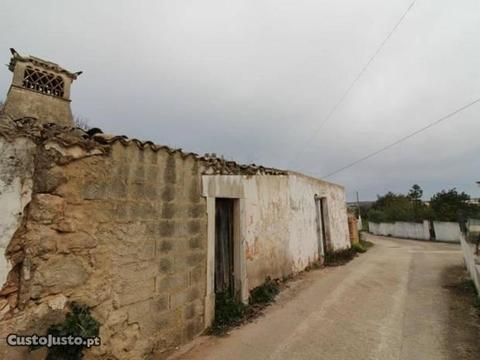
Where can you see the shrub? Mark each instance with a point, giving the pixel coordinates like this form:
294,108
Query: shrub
229,312
78,322
359,248
264,293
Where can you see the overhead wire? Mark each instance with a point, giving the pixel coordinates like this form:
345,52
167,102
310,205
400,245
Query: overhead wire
402,139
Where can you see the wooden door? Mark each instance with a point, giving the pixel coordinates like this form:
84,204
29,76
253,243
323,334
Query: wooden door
224,250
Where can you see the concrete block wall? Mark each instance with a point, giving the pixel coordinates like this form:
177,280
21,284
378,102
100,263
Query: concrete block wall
124,232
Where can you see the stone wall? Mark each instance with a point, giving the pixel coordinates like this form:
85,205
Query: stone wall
121,229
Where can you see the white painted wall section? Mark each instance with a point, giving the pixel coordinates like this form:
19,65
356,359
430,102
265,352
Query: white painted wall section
279,220
407,230
16,169
447,231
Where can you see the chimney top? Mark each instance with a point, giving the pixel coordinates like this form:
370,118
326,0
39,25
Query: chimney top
44,64
40,89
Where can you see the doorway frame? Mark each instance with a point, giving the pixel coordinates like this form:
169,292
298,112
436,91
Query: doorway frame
323,226
212,189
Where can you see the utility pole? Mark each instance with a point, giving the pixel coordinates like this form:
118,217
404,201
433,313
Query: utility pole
359,214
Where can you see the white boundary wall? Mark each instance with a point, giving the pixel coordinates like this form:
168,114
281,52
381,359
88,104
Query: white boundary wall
447,231
471,261
399,229
444,231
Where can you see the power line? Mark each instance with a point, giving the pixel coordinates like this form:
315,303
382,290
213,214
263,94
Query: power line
359,75
436,122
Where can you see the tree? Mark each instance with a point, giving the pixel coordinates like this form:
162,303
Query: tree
415,193
392,207
398,207
450,205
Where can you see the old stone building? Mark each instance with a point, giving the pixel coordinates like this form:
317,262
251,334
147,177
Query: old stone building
143,234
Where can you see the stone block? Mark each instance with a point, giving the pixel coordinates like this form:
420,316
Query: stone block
170,172
172,283
75,241
193,310
151,315
196,242
165,246
46,208
151,172
138,271
168,193
65,226
184,297
194,227
117,317
166,228
198,275
49,180
168,210
58,274
198,210
40,239
193,328
94,190
166,265
117,189
129,292
141,211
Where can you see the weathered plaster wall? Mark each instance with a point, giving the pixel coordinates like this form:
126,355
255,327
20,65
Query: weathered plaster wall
123,231
280,236
16,169
303,232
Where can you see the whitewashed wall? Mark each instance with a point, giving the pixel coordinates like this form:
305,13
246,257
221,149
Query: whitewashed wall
16,169
400,229
279,217
472,261
447,231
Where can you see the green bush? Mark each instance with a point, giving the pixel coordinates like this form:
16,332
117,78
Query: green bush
340,257
359,248
78,322
264,293
229,312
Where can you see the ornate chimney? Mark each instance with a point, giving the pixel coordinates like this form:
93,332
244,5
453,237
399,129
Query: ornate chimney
40,89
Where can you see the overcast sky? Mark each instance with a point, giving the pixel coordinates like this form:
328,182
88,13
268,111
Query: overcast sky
254,79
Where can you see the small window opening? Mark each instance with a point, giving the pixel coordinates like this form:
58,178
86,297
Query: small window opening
43,82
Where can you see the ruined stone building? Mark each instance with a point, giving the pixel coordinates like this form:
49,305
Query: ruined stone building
143,234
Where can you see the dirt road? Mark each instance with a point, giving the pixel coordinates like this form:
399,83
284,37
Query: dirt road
393,302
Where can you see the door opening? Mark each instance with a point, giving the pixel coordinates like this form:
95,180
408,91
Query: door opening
224,246
322,231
